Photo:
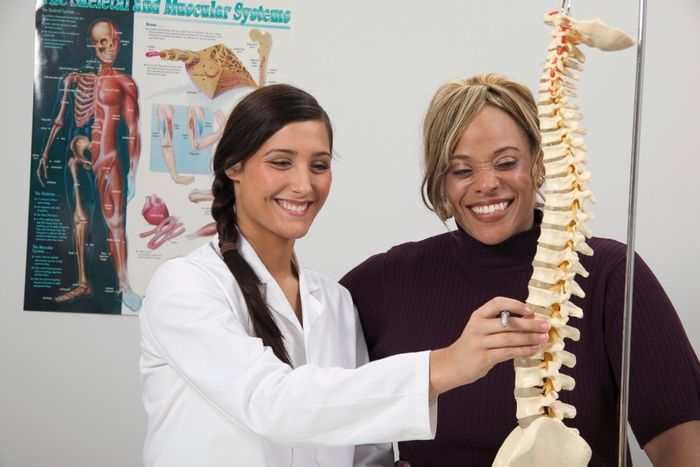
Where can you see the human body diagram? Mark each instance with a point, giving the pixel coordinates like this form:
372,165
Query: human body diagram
93,106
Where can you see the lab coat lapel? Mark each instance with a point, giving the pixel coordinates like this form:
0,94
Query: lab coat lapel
311,304
273,293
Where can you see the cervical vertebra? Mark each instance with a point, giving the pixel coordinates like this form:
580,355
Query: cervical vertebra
541,437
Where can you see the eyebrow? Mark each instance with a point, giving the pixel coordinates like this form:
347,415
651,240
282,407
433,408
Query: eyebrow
294,153
498,152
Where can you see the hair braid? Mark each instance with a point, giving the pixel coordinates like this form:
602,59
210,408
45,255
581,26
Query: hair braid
224,213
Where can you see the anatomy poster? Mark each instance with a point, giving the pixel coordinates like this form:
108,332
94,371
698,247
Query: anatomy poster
130,100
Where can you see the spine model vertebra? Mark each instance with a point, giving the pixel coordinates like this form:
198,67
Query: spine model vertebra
538,380
541,437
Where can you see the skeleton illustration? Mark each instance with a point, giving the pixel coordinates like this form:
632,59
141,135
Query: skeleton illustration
541,437
217,69
264,41
99,102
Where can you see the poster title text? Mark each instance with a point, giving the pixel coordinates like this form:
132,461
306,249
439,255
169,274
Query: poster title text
239,13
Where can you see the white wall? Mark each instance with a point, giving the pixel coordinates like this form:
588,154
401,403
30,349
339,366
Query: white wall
69,393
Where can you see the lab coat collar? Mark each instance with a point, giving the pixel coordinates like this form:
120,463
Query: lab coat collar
309,285
248,253
306,282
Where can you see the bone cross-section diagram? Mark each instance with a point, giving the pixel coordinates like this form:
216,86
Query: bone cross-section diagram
216,69
541,438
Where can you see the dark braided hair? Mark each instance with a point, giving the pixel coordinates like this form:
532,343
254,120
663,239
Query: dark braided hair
253,121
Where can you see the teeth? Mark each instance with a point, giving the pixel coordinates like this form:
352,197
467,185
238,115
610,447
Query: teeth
293,206
491,208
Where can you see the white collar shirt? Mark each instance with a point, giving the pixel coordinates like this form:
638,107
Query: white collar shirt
216,397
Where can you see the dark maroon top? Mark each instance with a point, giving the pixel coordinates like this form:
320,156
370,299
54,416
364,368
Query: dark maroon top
419,296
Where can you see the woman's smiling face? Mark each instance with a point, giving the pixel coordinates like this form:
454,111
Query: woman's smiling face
280,189
489,181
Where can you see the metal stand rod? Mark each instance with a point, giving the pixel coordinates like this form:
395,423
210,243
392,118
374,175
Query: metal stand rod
631,217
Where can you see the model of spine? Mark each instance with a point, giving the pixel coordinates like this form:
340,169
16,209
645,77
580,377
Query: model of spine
541,438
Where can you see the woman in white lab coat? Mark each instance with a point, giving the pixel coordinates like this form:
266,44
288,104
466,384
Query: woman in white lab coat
250,359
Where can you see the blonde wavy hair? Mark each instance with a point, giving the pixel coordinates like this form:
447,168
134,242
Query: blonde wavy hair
452,109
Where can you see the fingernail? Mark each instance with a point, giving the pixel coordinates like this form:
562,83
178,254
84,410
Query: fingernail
529,309
543,337
544,326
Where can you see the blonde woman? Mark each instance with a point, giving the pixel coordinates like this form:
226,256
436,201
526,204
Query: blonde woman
483,166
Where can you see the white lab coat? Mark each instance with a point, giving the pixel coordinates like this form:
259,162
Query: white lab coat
216,397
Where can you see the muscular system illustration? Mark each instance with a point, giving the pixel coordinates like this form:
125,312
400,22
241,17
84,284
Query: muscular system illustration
199,141
541,438
99,102
195,128
166,114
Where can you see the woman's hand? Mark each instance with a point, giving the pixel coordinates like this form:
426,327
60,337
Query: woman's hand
484,343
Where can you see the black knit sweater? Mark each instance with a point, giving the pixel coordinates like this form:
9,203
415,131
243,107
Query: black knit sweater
419,296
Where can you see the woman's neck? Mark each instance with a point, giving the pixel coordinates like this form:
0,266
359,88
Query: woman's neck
275,253
513,253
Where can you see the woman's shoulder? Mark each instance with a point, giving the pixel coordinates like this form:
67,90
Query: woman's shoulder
428,243
419,248
193,270
404,254
606,245
412,258
606,251
609,259
328,287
